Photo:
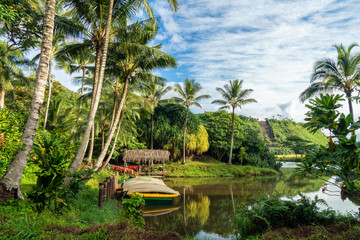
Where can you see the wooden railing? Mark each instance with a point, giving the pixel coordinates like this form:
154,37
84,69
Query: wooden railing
107,189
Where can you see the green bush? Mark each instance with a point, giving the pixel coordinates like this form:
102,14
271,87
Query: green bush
272,212
131,208
11,128
53,165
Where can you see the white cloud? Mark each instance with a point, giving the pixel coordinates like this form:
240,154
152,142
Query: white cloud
270,44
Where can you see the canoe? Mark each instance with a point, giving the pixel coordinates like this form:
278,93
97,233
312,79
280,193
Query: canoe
153,190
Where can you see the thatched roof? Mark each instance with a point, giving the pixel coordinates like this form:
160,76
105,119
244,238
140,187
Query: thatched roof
146,155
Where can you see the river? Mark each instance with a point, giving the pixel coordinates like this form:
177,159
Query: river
206,205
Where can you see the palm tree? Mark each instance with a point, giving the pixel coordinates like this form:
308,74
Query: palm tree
10,182
188,98
153,91
92,15
57,43
234,97
341,75
131,58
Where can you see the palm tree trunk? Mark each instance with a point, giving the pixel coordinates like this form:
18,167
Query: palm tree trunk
2,97
10,182
102,138
184,141
92,140
350,106
75,164
114,107
113,146
113,128
82,89
232,136
152,132
49,96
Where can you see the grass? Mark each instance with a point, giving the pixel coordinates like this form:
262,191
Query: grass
82,219
289,158
214,169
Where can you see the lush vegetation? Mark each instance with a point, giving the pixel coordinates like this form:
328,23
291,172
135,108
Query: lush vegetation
248,147
341,156
286,129
215,169
271,213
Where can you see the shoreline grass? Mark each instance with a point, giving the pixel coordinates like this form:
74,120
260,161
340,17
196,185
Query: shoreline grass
215,169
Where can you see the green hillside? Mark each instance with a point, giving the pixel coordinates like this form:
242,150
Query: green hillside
282,129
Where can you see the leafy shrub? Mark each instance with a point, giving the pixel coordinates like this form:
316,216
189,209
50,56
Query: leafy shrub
131,208
266,161
52,160
11,127
272,212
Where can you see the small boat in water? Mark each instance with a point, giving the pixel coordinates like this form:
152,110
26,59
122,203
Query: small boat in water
153,190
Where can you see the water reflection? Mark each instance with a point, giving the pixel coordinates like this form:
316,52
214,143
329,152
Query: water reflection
207,204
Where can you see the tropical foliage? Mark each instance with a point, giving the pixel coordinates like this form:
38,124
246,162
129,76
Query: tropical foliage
341,156
234,97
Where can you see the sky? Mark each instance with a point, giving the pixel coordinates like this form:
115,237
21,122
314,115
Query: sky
270,44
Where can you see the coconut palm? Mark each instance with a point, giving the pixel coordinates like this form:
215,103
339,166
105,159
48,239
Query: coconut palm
153,91
91,13
131,58
10,182
57,43
188,97
234,97
341,75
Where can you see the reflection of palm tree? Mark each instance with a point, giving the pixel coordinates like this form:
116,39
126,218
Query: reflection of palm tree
188,97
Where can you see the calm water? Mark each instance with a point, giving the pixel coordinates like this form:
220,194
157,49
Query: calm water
206,205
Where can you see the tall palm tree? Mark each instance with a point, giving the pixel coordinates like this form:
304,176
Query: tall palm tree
234,97
91,14
131,57
152,92
188,97
10,182
57,43
341,75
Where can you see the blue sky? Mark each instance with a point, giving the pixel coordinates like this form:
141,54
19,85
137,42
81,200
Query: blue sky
272,45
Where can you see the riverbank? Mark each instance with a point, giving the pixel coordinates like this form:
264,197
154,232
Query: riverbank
337,231
215,169
81,219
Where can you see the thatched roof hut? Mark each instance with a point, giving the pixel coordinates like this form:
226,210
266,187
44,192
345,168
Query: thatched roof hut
145,156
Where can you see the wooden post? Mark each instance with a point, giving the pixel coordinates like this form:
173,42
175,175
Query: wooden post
112,185
107,182
101,192
116,182
139,167
124,168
